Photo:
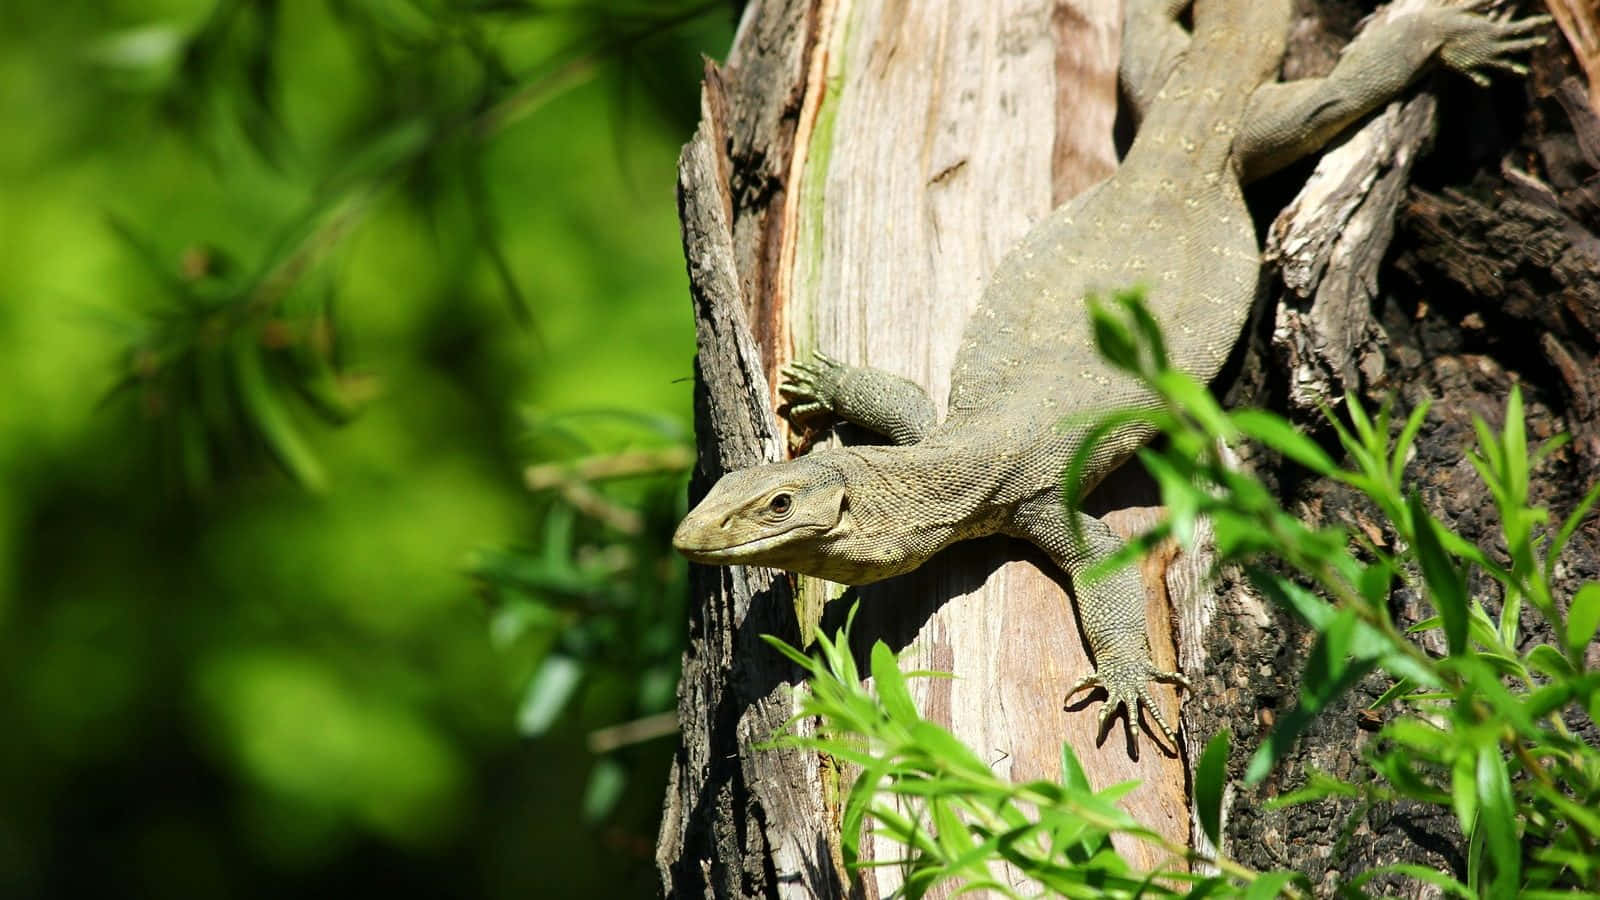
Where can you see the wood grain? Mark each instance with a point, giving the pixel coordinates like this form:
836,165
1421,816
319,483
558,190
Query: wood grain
861,168
939,147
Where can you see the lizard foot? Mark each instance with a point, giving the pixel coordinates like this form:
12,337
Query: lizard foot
811,386
1475,42
1129,684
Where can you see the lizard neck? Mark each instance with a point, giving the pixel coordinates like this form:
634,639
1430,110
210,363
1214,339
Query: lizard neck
906,503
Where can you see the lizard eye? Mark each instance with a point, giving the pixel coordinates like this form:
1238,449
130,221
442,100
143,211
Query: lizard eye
780,504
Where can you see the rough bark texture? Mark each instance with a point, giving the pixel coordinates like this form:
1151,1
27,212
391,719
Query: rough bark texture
1490,280
738,822
861,166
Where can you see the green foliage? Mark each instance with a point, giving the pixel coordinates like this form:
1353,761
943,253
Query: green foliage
598,582
230,356
922,788
1488,730
255,219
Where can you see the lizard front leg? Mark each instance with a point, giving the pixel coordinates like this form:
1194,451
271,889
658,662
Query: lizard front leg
879,401
1110,611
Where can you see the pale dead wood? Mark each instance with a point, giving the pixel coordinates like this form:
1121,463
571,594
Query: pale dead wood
1579,21
1327,246
940,148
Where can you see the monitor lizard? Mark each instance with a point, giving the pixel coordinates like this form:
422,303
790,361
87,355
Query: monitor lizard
1172,220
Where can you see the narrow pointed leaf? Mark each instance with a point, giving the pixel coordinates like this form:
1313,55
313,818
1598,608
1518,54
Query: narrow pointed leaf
1210,782
1446,585
1583,618
1498,818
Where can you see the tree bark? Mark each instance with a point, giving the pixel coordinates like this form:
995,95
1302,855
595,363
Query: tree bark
860,167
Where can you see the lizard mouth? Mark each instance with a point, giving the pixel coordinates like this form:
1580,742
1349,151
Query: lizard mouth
743,552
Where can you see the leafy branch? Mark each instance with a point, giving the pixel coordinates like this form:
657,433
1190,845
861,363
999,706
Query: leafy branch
217,359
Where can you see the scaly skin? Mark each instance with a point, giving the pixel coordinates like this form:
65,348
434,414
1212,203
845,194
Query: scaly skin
1172,219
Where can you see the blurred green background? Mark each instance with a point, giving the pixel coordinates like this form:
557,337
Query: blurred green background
344,413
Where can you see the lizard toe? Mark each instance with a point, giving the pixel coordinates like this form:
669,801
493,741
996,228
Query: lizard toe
796,387
1155,714
1176,678
1091,680
1127,686
807,410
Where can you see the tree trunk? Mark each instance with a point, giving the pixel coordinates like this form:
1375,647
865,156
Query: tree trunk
860,167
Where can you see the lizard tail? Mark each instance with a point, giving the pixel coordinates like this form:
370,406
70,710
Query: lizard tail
1237,46
1247,37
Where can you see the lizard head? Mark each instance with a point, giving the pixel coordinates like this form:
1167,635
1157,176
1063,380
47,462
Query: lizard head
853,515
780,515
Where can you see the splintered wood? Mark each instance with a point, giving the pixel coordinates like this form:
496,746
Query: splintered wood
938,145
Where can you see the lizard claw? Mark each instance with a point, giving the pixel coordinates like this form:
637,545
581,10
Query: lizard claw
1474,42
1128,684
810,385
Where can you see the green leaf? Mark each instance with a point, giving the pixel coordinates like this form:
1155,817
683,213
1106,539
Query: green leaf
1331,653
1319,786
1464,789
795,656
1582,619
1394,692
1480,628
1549,698
952,835
547,693
1447,588
1072,480
1515,441
1424,874
1580,816
1270,884
1313,610
271,420
1195,400
948,750
1486,681
891,685
1276,433
1503,665
1178,494
1498,817
858,803
1568,528
605,786
1402,444
1581,863
1465,549
1210,781
1132,302
1419,735
1548,661
1375,581
1072,774
1396,767
1358,420
1113,339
